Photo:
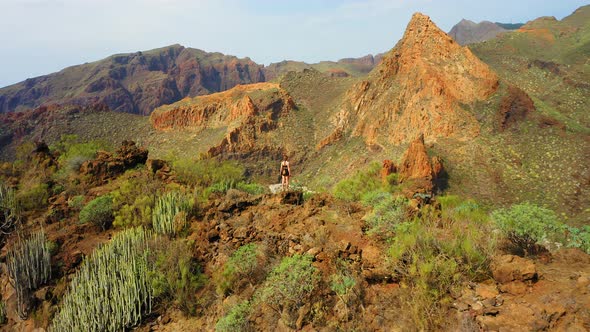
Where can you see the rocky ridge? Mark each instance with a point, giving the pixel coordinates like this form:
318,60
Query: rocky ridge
419,87
246,112
135,82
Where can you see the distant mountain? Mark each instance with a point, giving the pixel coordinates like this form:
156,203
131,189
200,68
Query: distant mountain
341,68
468,32
135,82
139,82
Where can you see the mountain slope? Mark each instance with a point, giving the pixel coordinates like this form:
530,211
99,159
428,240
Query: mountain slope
135,82
419,87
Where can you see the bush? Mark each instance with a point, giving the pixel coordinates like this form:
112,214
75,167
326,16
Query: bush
455,208
29,266
133,202
352,189
73,153
34,197
112,290
290,285
388,211
431,263
206,172
527,225
241,265
171,212
236,319
250,188
98,211
176,276
579,238
76,202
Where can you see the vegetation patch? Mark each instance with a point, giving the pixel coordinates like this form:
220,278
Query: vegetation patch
98,211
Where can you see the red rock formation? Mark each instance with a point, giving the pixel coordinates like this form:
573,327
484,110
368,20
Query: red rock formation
417,171
387,169
108,166
245,117
419,88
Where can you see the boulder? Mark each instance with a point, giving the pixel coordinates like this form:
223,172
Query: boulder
509,268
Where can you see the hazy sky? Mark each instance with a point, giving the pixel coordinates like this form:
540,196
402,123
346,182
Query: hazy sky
39,37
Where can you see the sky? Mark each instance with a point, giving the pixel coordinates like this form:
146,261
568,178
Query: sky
38,37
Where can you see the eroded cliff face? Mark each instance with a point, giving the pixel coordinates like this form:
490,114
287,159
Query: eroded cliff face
419,87
246,111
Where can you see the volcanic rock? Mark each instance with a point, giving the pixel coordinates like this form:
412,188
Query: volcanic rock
108,166
417,171
419,87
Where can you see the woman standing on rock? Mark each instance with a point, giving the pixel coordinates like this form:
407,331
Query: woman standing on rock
285,172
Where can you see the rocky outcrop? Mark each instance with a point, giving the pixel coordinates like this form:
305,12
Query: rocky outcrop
108,166
469,32
247,111
136,82
514,107
417,171
419,87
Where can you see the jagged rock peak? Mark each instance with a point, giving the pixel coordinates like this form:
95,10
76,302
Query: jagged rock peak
419,88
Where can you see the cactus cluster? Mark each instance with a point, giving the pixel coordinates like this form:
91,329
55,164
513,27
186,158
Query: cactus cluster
29,266
112,289
9,208
3,318
170,213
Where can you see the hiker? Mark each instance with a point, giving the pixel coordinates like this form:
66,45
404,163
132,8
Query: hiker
285,173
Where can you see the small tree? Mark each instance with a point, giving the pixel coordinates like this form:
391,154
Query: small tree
98,211
526,225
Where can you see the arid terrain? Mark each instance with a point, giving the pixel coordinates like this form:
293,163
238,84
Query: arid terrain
435,187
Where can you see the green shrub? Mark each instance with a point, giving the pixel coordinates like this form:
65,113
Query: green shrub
579,238
29,266
171,212
76,202
290,284
241,265
388,211
353,188
133,202
526,225
73,153
455,208
236,319
98,211
251,188
431,263
34,197
176,276
10,208
204,173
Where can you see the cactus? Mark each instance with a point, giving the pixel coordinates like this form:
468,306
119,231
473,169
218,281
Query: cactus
170,213
9,208
29,266
112,289
3,318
